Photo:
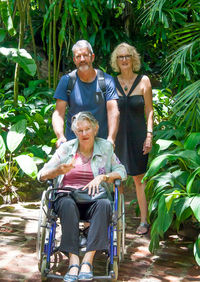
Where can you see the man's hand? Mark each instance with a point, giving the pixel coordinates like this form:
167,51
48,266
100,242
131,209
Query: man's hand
111,141
60,141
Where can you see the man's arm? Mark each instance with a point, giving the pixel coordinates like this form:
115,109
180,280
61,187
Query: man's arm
58,120
113,119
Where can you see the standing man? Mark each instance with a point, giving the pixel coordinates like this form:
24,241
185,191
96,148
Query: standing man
86,95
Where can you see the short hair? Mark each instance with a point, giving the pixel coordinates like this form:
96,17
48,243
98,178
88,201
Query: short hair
83,116
82,44
132,51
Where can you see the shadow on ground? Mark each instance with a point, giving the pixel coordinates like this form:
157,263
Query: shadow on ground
18,227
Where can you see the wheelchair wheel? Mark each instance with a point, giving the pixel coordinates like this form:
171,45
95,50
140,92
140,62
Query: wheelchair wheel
121,228
41,234
112,269
43,267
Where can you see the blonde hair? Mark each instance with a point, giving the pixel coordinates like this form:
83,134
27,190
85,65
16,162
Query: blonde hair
132,51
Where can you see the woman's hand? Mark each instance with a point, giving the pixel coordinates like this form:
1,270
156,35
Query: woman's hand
93,186
147,144
65,168
61,169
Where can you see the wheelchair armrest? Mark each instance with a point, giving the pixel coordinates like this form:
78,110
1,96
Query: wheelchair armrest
118,182
50,182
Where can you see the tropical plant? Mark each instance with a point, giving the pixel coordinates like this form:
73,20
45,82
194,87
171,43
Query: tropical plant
13,160
35,104
173,187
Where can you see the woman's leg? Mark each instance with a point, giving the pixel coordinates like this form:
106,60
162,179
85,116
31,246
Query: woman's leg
88,257
73,260
99,214
140,192
68,213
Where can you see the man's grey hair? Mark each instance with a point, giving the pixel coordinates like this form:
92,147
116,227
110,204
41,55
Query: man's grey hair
82,44
83,116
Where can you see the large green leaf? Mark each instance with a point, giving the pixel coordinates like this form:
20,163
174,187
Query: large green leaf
195,206
6,15
171,197
165,144
2,148
192,141
2,34
27,164
154,244
155,165
181,206
22,57
197,250
16,135
191,179
187,156
165,217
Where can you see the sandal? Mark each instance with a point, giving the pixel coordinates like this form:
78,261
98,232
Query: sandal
141,227
86,276
71,277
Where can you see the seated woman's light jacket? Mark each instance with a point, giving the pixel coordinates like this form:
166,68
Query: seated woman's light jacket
103,159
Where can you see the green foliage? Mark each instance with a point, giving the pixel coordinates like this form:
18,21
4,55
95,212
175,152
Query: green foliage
162,104
6,14
173,186
22,57
13,159
186,109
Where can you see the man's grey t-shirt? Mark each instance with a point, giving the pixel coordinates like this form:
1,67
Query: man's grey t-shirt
87,97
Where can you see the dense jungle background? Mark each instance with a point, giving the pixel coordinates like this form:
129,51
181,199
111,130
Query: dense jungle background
36,37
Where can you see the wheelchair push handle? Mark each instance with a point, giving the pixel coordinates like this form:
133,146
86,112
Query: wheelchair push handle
118,182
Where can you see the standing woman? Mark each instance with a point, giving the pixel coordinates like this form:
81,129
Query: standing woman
134,139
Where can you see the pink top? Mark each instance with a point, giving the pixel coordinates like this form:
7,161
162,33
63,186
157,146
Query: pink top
80,175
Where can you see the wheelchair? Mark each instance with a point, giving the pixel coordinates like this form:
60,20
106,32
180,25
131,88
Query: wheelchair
48,242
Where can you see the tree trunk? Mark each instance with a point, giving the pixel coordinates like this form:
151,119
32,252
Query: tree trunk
54,50
33,39
21,8
49,50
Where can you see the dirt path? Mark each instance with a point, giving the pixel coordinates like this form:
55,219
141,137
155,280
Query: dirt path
18,262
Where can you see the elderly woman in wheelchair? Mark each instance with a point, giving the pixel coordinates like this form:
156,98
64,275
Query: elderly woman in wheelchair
82,167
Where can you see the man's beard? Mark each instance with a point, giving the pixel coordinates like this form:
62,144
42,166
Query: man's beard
83,67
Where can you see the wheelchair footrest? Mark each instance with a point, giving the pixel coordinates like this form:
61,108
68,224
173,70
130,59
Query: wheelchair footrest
51,275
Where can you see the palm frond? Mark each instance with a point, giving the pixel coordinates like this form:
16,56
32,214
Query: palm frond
186,109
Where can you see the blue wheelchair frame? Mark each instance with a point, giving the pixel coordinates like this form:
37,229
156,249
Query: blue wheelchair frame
46,242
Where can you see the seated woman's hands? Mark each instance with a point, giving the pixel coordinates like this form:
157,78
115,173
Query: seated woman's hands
65,168
61,169
93,186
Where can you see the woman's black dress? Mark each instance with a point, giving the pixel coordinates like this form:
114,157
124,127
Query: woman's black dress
132,131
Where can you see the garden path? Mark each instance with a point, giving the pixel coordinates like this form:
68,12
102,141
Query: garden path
18,261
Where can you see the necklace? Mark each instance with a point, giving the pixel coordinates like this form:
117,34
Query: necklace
85,159
126,84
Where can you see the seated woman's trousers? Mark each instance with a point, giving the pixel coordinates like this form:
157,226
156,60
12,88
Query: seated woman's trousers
70,213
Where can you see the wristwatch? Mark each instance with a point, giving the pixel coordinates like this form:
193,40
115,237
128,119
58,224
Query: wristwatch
107,177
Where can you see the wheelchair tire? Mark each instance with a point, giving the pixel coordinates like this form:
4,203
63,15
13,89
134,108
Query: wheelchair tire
112,269
41,234
121,228
115,268
43,268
